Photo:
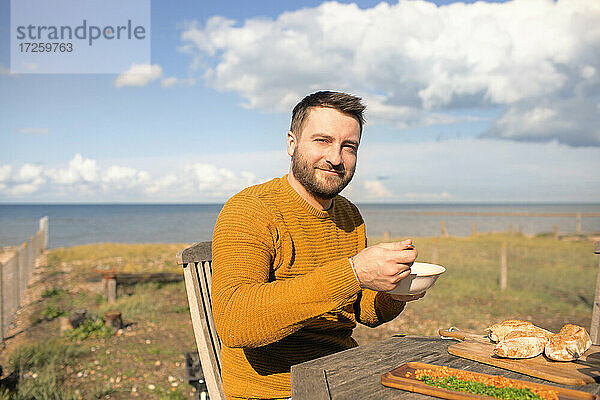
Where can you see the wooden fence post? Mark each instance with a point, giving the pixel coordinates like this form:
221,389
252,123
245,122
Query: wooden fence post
595,327
21,272
39,243
32,258
110,286
512,229
555,231
386,236
444,231
503,268
44,229
578,222
435,255
2,265
474,231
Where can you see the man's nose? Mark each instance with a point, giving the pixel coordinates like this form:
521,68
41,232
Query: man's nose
334,155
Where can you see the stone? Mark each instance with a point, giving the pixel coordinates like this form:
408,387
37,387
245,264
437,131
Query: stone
113,319
77,316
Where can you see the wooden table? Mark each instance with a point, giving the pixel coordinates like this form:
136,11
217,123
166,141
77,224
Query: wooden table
356,373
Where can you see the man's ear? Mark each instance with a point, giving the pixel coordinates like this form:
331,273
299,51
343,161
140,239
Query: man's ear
291,143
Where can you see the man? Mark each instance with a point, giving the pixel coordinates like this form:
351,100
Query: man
291,274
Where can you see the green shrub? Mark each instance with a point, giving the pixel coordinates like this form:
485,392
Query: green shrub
181,309
51,312
90,328
52,292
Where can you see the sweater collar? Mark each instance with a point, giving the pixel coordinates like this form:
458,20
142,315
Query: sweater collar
295,198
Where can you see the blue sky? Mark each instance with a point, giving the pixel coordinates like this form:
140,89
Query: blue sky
466,102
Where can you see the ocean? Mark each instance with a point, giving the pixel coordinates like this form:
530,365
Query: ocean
73,224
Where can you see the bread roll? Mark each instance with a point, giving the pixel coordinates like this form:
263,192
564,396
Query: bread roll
499,331
521,344
569,344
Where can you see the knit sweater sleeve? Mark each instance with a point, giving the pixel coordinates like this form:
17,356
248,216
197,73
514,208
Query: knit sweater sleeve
375,308
249,308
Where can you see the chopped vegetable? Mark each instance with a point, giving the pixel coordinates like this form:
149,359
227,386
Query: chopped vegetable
497,386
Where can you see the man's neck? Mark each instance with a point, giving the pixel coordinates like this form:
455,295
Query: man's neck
317,202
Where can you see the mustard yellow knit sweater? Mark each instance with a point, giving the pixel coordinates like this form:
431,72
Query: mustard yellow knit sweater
283,290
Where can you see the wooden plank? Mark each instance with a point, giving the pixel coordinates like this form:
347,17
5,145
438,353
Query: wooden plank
125,278
397,378
204,278
595,324
310,383
201,251
2,294
567,373
206,350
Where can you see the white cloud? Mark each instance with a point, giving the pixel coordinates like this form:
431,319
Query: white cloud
23,189
30,173
116,178
84,180
172,81
162,185
416,62
168,82
80,171
28,179
139,75
473,170
376,190
34,131
427,196
5,171
117,173
218,182
574,121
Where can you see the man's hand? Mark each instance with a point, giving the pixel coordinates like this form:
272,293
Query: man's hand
382,266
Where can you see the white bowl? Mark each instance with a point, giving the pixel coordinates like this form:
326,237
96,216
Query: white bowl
422,277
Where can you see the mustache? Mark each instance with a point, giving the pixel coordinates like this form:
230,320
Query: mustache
333,168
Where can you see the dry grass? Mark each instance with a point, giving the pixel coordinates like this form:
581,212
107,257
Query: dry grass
121,257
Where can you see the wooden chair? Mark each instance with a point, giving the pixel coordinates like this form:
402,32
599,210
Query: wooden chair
197,267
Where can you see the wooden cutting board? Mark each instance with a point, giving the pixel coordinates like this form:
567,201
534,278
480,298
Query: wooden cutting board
397,378
581,372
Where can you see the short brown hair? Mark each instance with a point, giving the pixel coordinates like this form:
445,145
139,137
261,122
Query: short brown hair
342,102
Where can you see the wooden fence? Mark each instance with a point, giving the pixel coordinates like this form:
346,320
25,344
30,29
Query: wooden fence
15,273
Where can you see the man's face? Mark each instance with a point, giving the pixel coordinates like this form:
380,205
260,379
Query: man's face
324,156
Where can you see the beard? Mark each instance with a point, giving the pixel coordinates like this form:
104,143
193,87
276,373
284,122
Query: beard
326,188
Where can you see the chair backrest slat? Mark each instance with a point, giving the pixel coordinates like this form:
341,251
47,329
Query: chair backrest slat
204,271
197,266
